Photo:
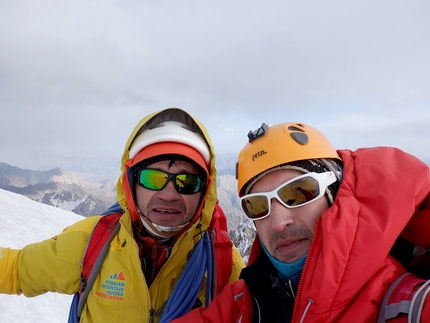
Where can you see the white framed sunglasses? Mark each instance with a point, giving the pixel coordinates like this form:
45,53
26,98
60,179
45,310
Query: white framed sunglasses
296,192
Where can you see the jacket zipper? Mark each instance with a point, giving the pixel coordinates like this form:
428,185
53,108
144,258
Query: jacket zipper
151,315
158,279
310,301
151,311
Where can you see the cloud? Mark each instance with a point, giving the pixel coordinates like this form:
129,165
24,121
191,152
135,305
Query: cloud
400,129
78,76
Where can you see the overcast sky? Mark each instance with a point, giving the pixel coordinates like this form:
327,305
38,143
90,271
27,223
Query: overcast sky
76,76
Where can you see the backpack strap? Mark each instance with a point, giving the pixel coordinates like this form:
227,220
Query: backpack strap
95,253
417,302
385,313
404,300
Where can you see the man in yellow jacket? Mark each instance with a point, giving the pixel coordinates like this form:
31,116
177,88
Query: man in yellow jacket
167,193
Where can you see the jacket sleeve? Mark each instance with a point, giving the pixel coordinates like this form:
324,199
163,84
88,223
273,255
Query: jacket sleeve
8,260
233,305
50,265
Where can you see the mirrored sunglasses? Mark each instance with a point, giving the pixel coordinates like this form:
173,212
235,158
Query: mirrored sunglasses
156,180
296,192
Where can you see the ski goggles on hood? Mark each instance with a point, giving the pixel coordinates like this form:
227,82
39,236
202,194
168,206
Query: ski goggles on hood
296,192
156,180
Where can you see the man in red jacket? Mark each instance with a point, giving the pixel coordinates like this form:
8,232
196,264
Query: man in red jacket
328,223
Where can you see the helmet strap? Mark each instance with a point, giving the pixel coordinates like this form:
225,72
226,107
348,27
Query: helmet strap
337,173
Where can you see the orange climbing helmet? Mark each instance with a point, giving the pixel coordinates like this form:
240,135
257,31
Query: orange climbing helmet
279,144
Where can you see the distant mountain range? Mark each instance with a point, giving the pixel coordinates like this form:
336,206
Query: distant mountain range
91,196
58,188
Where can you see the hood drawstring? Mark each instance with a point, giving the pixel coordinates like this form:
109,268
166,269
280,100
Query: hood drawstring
310,302
290,284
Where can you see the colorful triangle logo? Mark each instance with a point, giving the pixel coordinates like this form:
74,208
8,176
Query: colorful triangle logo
120,276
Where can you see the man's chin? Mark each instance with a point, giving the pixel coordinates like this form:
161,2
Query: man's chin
290,254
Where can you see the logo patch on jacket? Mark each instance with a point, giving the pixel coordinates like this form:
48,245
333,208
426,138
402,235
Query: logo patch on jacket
113,287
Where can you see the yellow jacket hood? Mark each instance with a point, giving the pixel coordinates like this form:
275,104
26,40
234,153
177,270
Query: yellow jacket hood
124,189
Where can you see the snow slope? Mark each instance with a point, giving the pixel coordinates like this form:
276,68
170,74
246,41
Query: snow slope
23,221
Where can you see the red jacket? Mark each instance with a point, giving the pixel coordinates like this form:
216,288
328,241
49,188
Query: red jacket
348,269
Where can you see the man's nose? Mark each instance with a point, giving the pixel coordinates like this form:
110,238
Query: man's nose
169,192
280,216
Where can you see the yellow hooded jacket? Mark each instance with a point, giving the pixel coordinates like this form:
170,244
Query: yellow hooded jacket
120,292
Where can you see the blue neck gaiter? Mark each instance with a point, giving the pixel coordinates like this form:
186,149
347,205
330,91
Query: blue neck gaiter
286,271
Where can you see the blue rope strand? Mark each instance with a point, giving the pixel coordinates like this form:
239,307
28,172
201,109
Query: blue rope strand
187,288
208,252
73,312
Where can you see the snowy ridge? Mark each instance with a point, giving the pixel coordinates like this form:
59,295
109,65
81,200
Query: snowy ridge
24,221
59,188
68,178
69,206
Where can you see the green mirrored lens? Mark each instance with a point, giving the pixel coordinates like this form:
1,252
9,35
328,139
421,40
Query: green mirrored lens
157,180
153,179
188,183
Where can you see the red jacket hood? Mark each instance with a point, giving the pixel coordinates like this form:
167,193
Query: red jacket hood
381,190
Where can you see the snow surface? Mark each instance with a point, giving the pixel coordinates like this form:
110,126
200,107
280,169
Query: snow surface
23,221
